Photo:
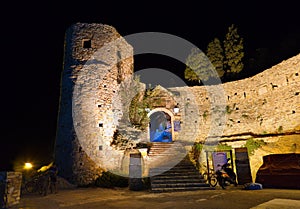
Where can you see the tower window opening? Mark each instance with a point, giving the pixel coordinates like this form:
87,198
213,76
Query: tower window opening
86,43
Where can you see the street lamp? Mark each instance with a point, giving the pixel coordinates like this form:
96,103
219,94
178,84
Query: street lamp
28,166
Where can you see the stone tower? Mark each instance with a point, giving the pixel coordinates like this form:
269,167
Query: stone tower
96,60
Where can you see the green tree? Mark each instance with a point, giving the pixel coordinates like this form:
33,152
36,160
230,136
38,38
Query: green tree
215,53
233,50
198,67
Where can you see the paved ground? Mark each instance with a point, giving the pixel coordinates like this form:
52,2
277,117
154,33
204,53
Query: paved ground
232,197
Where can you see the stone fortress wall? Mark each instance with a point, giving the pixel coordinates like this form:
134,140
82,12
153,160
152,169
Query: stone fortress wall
91,105
265,104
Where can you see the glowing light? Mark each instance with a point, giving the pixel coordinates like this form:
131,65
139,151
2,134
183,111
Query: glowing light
28,166
44,168
143,151
176,109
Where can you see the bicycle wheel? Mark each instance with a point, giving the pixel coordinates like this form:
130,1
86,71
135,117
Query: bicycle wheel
30,187
213,181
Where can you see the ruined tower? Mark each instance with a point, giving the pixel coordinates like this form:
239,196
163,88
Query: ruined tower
96,60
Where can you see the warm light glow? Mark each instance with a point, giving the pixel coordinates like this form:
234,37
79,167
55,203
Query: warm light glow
176,109
143,151
44,168
27,166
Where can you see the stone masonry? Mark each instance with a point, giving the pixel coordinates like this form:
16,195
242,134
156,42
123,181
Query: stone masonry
97,87
265,104
97,60
12,182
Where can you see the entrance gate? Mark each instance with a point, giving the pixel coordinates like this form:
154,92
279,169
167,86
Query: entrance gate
161,127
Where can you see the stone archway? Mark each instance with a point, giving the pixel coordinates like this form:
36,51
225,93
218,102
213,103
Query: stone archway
161,127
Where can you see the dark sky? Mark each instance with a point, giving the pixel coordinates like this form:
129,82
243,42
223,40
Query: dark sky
32,37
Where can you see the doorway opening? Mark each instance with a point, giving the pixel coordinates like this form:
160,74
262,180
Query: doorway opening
160,126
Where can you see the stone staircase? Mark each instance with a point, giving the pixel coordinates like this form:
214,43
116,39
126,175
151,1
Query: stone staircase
175,172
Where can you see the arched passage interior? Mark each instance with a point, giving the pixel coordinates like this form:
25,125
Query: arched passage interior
160,126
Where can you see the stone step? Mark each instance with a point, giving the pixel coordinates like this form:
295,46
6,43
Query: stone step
166,145
157,190
169,175
175,170
178,184
181,180
173,153
182,170
165,149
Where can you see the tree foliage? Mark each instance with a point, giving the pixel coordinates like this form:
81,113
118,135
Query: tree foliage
198,67
234,52
223,59
215,53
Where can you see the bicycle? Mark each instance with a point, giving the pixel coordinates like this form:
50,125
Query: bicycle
35,184
211,178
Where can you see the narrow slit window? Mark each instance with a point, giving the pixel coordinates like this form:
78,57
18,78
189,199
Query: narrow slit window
87,44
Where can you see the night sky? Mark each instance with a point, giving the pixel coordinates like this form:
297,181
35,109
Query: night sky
32,37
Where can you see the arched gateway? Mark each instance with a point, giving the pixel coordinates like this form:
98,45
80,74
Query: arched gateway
161,127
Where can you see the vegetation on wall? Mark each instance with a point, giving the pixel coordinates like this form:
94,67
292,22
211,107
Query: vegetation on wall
205,114
195,153
148,99
280,128
253,145
137,113
225,146
121,142
228,109
198,147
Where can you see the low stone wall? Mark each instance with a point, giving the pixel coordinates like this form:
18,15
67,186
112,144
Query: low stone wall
11,183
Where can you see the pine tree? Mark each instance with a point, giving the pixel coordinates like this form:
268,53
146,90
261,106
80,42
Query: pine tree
198,67
215,53
233,50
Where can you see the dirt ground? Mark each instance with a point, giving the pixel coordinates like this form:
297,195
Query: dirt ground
232,197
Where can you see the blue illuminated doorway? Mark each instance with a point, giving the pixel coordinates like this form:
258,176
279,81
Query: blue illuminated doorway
160,127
